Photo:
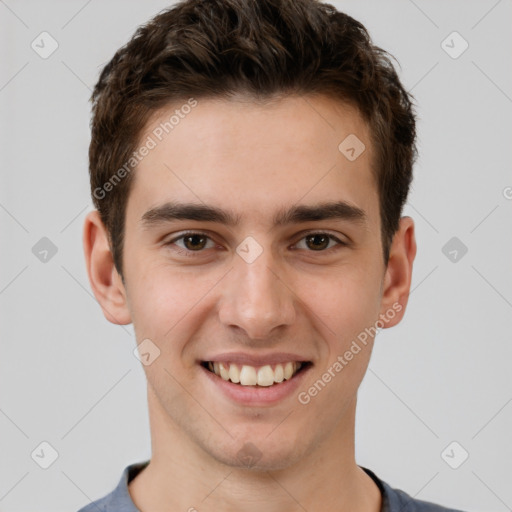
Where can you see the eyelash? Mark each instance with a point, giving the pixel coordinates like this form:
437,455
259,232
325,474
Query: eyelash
188,252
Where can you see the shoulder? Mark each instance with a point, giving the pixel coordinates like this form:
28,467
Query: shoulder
119,499
108,503
406,503
396,500
100,505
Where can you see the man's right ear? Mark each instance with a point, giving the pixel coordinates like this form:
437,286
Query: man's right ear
106,283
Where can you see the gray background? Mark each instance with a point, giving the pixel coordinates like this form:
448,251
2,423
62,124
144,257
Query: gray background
69,378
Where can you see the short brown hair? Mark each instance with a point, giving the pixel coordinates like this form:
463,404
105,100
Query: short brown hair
260,48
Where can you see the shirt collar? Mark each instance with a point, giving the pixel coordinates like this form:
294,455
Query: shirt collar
123,502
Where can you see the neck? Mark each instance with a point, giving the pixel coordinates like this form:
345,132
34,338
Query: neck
182,476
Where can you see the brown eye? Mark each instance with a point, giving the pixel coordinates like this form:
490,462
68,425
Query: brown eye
193,242
319,242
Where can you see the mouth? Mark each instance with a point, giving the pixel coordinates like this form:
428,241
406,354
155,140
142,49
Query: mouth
268,375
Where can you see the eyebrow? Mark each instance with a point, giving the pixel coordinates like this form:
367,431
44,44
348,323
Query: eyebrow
170,211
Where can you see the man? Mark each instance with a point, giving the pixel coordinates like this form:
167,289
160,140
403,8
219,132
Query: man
249,164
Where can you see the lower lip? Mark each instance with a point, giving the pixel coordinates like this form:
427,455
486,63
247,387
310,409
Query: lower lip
257,395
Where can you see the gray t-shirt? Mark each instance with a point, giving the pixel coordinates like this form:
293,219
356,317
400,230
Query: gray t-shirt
393,500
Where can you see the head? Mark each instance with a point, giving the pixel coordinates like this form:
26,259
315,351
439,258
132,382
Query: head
263,50
245,106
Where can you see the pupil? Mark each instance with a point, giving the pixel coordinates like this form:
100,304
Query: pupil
325,238
193,237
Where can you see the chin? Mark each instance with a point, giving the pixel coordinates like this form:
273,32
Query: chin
257,456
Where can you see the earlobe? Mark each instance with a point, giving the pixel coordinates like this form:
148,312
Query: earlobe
398,276
104,279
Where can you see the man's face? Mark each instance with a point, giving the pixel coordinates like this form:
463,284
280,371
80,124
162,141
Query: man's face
221,296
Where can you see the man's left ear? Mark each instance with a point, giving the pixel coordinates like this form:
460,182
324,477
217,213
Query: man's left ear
397,279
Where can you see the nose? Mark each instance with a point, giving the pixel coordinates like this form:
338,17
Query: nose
257,297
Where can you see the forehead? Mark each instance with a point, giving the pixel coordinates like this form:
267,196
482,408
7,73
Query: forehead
257,158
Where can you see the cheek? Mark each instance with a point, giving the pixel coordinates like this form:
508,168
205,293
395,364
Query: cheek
348,306
346,301
165,301
169,302
157,298
160,307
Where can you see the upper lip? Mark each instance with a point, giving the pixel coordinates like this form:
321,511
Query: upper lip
256,360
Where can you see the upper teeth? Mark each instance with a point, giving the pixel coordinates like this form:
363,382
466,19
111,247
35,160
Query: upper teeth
250,376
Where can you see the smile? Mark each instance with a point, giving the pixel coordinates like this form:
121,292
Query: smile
247,375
